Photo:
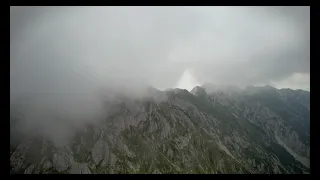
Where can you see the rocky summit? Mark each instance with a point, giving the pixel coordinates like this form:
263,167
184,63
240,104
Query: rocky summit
207,130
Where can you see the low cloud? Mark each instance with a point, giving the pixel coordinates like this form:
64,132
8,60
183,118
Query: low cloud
64,59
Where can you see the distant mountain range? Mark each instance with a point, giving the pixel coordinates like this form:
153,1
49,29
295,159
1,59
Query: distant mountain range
211,129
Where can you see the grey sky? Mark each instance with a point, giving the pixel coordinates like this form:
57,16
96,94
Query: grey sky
80,50
154,45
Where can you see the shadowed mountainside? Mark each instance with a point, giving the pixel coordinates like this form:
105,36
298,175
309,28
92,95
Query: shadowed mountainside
207,130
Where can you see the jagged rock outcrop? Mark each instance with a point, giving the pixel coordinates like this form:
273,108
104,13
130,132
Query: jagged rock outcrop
256,130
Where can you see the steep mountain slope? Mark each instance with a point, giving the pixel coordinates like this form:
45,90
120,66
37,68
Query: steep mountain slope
256,130
279,113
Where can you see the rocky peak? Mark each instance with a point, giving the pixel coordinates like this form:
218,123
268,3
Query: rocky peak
198,91
184,133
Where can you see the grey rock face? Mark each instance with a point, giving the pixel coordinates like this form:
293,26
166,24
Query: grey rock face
30,169
80,168
257,130
61,161
100,152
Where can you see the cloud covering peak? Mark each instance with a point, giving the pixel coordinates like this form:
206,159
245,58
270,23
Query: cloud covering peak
68,53
155,45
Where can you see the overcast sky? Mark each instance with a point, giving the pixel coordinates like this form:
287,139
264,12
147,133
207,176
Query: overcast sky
155,45
77,50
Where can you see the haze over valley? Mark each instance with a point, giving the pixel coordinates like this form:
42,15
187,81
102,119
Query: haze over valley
159,89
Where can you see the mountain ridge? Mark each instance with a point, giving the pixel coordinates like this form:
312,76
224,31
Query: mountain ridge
186,132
